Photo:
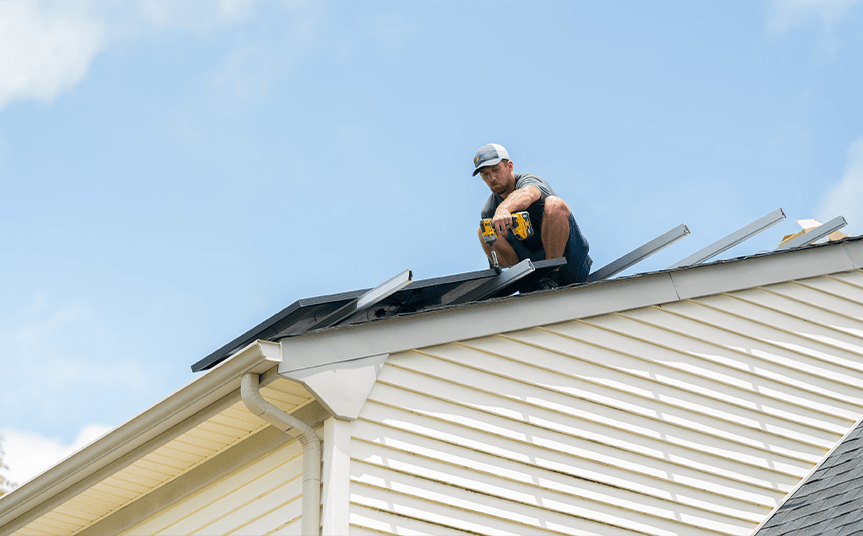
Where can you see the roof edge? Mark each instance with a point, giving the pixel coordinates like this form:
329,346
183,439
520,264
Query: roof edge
806,478
214,385
469,321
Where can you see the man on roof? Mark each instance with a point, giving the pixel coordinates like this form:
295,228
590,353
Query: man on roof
556,234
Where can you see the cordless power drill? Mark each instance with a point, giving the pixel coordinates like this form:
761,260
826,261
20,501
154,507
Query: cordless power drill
521,228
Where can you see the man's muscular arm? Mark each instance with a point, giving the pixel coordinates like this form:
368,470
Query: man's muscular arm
516,201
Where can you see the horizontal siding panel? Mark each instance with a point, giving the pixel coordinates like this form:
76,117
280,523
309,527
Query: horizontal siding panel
196,511
292,528
704,350
438,440
439,503
847,286
832,297
566,387
588,461
829,318
601,346
782,369
566,438
832,364
252,502
366,521
842,348
544,487
279,519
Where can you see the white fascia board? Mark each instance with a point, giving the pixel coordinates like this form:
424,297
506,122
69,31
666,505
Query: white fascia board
472,321
855,252
342,388
709,279
212,386
515,313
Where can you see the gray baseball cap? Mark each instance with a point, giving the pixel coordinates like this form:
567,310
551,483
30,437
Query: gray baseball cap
489,155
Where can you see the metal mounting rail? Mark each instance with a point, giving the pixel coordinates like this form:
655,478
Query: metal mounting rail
732,240
365,301
815,234
641,253
507,277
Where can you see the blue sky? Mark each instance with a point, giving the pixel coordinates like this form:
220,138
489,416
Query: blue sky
174,172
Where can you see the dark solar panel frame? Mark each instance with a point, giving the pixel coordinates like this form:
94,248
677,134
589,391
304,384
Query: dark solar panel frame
298,317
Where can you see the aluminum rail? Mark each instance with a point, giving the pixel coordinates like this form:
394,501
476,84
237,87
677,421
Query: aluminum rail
507,277
732,240
815,234
369,299
637,255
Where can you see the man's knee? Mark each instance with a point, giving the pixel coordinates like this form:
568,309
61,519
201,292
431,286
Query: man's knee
555,208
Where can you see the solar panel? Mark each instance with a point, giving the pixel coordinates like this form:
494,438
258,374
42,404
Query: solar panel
310,314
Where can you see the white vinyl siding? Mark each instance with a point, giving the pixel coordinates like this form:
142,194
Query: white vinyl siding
690,418
161,466
262,498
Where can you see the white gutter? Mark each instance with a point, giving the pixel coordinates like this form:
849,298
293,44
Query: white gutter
148,430
311,448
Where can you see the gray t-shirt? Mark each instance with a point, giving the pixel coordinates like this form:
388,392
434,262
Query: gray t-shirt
535,210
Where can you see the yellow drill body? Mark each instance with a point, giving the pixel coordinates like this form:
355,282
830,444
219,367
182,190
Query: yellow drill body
521,228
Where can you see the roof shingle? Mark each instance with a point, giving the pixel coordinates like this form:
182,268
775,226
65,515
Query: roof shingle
830,501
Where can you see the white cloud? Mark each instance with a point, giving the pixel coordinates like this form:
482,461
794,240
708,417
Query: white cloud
27,454
844,198
786,14
47,46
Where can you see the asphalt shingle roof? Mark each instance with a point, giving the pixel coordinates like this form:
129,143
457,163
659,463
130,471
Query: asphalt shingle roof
830,501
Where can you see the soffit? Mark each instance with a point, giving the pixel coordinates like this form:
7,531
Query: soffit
159,467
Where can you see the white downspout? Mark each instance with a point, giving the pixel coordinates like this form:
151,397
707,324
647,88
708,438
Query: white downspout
311,449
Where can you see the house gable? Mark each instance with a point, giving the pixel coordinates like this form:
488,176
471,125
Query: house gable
694,418
681,402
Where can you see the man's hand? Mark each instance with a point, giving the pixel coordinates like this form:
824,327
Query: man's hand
518,200
502,221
